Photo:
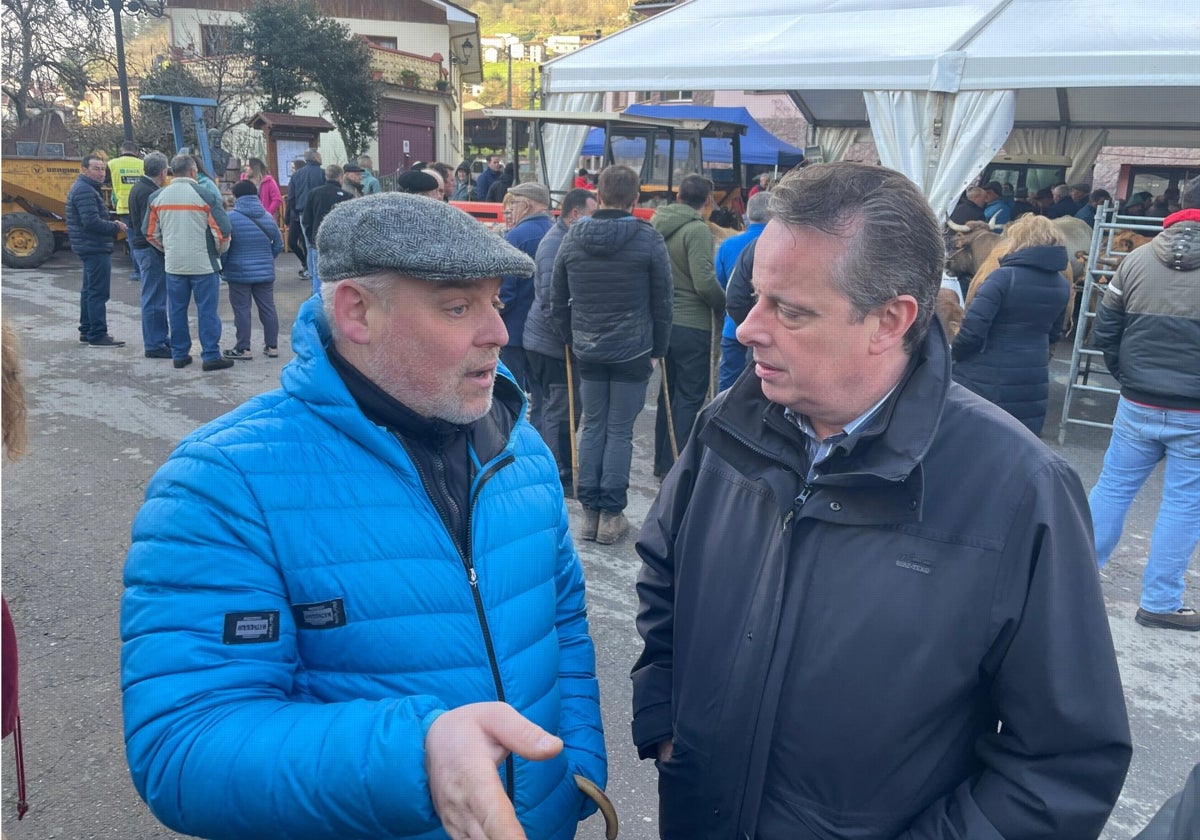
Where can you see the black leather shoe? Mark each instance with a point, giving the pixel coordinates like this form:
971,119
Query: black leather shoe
106,341
218,364
159,353
182,363
1181,619
82,338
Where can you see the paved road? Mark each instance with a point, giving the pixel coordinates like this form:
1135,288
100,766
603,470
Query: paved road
102,421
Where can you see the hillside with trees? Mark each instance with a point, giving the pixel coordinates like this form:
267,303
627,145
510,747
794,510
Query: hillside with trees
534,20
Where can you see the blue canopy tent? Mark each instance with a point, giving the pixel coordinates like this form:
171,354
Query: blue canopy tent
759,146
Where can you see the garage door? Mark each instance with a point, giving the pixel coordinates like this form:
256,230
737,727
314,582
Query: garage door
406,132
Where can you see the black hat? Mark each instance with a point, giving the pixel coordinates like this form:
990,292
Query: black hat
416,181
352,167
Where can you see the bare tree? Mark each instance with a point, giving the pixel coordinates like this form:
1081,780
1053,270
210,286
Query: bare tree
50,52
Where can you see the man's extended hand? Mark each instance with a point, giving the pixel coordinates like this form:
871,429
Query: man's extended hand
462,750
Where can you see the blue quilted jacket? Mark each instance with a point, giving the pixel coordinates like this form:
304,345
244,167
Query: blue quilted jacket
254,243
296,616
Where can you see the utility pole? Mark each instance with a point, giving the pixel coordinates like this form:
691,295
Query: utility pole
509,140
508,99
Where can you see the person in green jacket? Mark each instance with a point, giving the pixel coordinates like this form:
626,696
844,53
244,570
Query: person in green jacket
698,298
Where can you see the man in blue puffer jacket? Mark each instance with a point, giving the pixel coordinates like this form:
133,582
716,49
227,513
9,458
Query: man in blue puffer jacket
353,599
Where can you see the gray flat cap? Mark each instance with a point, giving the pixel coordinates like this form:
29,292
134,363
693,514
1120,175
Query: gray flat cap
413,235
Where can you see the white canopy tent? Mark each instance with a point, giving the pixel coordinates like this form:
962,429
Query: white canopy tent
940,83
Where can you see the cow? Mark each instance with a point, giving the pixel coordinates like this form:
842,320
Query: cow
1122,244
974,243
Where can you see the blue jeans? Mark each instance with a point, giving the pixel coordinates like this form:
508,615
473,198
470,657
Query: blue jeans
154,297
733,362
1143,436
93,295
206,289
613,396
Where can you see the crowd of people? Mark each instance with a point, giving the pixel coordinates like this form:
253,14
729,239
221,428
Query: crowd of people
376,565
999,203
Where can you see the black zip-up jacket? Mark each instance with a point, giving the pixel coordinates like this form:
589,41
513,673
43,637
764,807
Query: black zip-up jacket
438,448
833,660
139,207
320,201
612,299
88,226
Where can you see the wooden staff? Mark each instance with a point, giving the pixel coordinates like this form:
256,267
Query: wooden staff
667,402
571,421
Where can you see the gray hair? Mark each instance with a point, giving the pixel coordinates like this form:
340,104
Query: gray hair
758,207
311,155
379,283
1061,191
183,163
154,164
894,244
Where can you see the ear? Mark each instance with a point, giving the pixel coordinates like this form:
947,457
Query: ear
351,308
895,317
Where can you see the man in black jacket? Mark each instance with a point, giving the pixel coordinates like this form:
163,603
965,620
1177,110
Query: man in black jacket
92,233
149,260
611,302
317,205
867,595
308,178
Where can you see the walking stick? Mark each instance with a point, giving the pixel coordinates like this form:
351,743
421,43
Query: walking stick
667,402
714,355
571,422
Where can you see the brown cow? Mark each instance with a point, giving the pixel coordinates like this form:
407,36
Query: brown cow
1122,244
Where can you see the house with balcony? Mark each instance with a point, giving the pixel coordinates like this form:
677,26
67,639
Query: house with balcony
422,51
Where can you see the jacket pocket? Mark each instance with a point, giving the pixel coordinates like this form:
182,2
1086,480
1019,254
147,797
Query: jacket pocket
685,809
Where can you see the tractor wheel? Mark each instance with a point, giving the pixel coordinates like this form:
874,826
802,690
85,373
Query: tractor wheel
28,241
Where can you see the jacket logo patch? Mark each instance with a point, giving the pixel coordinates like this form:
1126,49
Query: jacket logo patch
914,564
251,628
322,616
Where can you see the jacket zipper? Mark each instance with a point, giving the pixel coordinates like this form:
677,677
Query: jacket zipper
473,580
804,494
465,554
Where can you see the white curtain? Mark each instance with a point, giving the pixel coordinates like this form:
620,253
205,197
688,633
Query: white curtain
974,125
835,141
1082,146
564,142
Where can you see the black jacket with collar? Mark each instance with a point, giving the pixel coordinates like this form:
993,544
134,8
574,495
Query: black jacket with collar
611,298
139,207
936,578
320,201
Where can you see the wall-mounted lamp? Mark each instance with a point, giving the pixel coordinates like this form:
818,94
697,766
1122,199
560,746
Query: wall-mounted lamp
466,47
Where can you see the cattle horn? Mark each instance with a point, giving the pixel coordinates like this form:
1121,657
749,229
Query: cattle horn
956,227
992,223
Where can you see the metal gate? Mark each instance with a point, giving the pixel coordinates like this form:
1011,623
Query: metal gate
1101,257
